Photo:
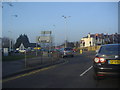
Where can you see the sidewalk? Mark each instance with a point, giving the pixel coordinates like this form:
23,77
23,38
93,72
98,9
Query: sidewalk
12,68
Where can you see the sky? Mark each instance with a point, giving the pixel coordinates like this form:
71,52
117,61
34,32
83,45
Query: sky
34,17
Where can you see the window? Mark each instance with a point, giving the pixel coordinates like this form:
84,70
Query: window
110,49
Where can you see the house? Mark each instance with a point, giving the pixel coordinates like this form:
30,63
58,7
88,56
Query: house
99,39
89,40
27,46
93,40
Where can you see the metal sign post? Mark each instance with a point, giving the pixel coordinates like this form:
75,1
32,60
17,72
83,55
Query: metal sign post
46,39
25,60
36,46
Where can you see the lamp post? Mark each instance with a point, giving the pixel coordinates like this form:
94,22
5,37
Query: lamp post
11,41
66,39
54,38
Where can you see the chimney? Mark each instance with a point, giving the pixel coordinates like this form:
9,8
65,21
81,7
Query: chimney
88,35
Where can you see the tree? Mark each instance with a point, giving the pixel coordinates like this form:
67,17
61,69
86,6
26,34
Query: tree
71,44
5,42
21,39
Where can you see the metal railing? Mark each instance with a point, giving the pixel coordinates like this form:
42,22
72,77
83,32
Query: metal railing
42,58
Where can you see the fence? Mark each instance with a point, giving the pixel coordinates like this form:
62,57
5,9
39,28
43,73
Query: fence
33,58
92,48
40,58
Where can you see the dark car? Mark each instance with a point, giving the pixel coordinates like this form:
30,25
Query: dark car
64,52
107,61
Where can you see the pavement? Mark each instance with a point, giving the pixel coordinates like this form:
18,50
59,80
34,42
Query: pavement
12,68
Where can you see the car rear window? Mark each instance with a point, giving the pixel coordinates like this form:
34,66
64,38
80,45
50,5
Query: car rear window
110,49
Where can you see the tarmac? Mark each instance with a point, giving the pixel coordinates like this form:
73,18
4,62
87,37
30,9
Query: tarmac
12,68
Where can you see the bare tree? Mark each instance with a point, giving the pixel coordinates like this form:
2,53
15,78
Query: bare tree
6,42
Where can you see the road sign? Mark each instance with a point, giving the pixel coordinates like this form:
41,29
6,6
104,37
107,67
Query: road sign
44,39
46,32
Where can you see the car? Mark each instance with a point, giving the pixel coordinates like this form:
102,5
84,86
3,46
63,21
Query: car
65,52
107,61
22,51
16,51
75,50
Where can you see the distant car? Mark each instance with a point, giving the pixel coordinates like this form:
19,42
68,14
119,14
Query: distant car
107,61
16,51
53,50
64,52
75,50
22,51
45,50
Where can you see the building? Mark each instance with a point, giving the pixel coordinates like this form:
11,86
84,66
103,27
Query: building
87,41
99,39
27,46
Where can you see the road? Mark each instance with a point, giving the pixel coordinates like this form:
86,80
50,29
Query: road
76,72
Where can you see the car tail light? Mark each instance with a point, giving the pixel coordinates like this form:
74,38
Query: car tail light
99,60
102,60
100,75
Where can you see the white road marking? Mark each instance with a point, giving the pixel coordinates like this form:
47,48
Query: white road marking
86,71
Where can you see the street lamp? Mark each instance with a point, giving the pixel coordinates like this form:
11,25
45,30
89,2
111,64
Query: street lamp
15,15
54,37
65,17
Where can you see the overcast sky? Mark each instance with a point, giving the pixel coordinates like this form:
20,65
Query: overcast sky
85,17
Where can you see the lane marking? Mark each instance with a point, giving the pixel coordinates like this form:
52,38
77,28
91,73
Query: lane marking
86,71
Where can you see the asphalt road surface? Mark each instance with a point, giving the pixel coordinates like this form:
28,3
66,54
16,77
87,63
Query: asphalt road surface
75,72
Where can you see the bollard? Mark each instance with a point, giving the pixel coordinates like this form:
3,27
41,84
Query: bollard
80,51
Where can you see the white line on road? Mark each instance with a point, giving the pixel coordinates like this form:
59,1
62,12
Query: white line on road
86,71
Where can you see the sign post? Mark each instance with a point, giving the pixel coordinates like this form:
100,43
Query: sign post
25,60
46,39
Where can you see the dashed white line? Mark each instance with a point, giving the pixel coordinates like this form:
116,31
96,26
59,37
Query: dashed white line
86,71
